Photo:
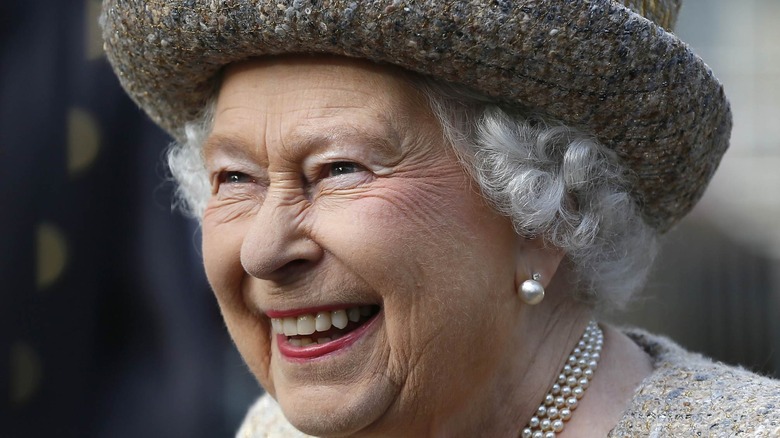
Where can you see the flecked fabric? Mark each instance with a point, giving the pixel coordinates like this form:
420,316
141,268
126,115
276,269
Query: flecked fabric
690,396
687,395
593,64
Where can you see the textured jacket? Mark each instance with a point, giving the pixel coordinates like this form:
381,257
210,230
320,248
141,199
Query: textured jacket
687,395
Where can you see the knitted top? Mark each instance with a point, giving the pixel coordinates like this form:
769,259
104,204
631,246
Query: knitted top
687,395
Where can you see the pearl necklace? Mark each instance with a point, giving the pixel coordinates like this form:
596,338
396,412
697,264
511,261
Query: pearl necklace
569,388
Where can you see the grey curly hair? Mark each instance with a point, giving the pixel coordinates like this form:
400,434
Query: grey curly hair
551,180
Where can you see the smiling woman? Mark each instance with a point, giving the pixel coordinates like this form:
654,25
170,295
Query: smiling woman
395,253
305,242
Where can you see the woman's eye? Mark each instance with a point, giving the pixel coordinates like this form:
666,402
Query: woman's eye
343,168
231,177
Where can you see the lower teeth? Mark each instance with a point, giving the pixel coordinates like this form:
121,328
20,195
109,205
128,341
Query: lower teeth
302,342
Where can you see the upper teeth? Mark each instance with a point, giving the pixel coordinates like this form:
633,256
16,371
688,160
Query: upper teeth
320,322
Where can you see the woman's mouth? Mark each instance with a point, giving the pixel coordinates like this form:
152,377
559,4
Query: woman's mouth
309,335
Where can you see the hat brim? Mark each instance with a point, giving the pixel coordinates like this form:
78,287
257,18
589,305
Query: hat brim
593,64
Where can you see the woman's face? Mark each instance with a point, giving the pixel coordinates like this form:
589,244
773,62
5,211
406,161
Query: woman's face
333,192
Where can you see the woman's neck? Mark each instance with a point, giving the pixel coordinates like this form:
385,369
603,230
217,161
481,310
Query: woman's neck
503,405
623,367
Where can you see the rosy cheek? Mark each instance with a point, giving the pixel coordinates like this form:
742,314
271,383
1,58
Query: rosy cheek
419,209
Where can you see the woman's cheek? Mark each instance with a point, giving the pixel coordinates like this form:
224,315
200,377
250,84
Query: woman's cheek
252,337
222,259
225,223
221,253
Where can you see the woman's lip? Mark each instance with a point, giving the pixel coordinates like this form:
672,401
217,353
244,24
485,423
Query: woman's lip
317,350
311,310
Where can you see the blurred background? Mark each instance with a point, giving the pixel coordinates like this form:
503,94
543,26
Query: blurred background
716,284
107,326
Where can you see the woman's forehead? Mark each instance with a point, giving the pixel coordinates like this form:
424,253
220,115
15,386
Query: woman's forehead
312,100
275,76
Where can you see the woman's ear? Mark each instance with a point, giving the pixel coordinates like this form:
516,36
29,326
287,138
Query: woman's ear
536,256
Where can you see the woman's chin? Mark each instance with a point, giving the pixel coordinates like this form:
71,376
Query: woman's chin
338,392
335,410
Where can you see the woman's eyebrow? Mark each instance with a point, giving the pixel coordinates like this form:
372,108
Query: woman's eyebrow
385,140
230,145
386,143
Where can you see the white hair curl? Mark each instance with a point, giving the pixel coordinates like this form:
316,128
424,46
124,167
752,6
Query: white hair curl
551,180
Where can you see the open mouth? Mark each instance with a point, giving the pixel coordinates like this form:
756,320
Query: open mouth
323,328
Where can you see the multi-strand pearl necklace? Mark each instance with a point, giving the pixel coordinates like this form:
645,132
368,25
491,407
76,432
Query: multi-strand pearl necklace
568,389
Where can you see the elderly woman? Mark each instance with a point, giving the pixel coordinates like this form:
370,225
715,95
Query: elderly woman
411,210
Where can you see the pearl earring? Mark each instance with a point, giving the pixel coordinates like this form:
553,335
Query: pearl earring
531,291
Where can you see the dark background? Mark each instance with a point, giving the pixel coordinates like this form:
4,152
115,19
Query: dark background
108,326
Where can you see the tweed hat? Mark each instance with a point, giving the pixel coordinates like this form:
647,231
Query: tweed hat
611,68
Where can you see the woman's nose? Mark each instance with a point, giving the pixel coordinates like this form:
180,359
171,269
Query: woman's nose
277,247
